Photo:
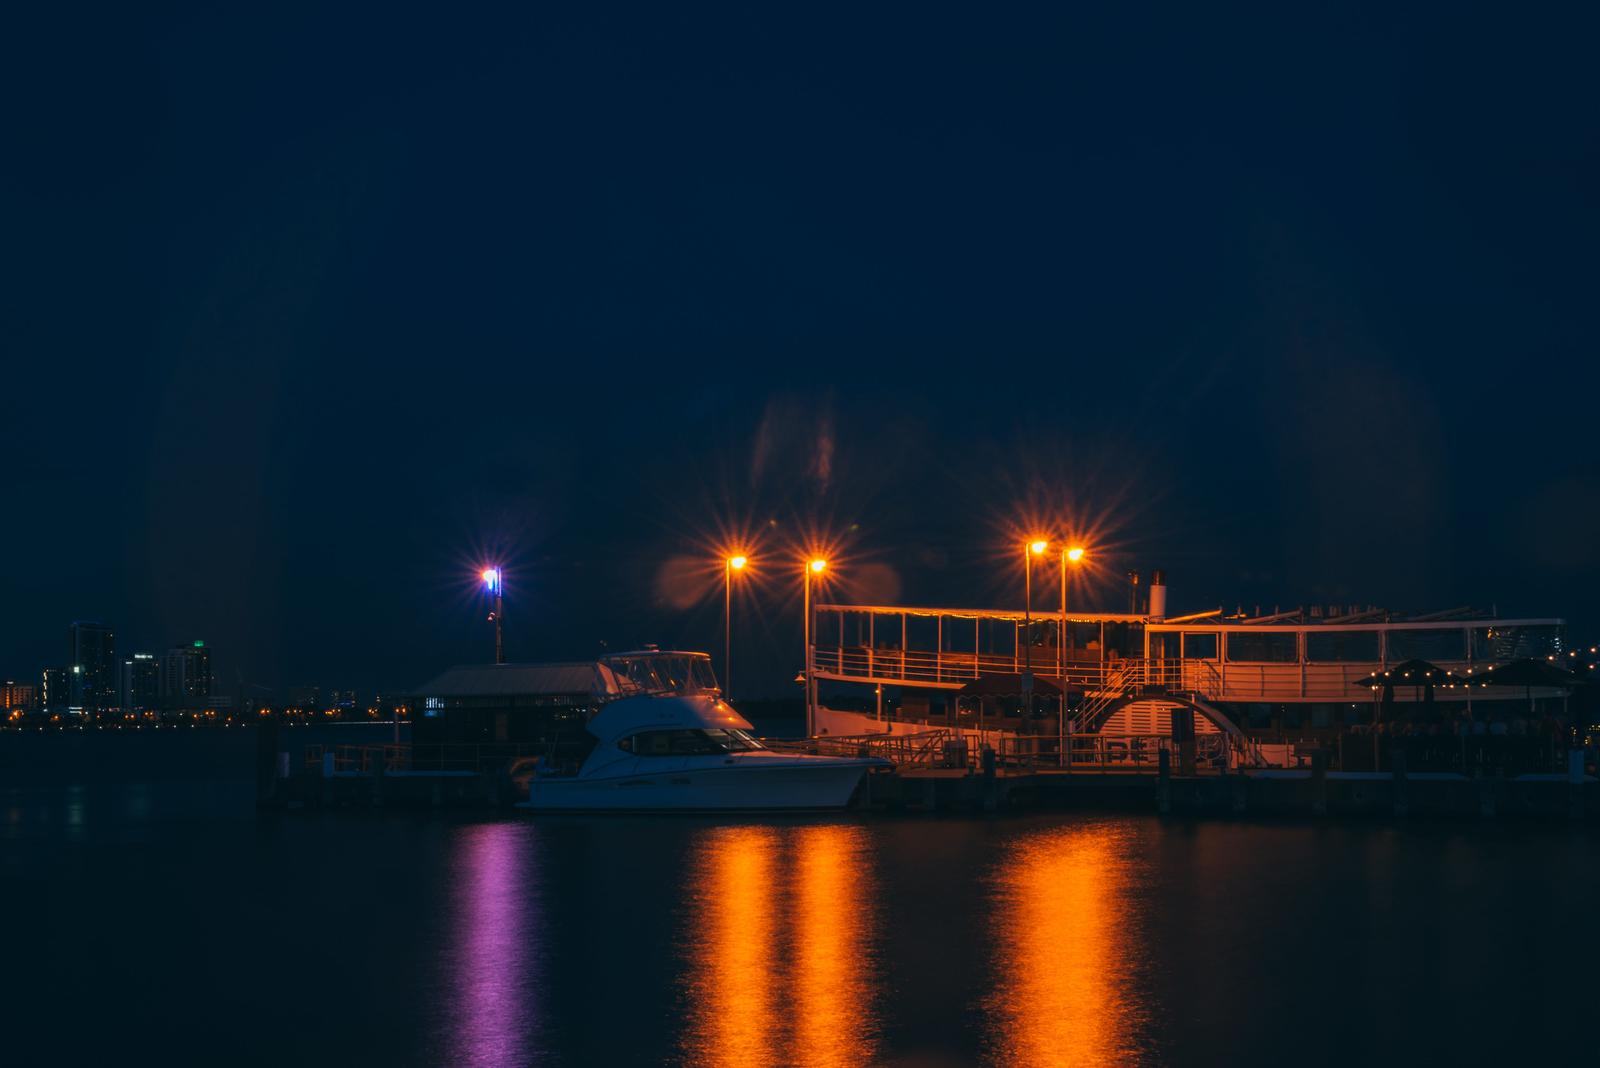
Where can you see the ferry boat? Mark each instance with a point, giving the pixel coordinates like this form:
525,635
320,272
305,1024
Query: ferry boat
1115,687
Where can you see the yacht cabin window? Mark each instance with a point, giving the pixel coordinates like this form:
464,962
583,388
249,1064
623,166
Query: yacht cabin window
697,742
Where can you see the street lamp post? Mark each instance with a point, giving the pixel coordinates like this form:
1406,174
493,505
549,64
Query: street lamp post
1073,555
729,566
815,566
1034,548
493,584
1063,733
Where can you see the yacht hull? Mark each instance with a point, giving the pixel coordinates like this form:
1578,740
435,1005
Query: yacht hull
742,785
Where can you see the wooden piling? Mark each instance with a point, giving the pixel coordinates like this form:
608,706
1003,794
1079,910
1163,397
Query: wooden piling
986,760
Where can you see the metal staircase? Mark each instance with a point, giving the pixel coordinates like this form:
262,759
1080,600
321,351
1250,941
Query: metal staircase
1195,683
1118,683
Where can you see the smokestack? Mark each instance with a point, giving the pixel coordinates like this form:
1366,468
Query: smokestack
1158,596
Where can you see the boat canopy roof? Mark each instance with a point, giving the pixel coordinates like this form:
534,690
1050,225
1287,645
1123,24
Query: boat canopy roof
692,712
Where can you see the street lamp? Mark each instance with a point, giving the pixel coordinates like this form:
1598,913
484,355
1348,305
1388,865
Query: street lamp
815,566
1073,555
1034,548
493,585
729,566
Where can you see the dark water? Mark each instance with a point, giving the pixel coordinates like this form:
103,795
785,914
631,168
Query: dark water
159,919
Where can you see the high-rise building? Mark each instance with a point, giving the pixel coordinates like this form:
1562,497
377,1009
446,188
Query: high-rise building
140,687
305,698
92,662
186,675
54,693
17,696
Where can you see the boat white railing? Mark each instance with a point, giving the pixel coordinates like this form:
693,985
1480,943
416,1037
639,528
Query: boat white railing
925,748
1210,678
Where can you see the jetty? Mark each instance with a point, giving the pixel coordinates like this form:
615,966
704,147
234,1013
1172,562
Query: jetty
933,773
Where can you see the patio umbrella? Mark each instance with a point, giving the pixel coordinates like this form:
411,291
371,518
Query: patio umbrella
1023,685
1423,674
1009,685
1527,673
1412,673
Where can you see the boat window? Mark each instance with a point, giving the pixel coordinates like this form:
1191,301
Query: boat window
690,742
736,741
1270,647
1342,646
1200,646
1083,641
1124,639
704,678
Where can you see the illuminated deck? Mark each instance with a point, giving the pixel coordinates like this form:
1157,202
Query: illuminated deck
1313,660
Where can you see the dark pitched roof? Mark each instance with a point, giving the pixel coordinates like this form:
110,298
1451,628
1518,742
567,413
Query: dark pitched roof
504,680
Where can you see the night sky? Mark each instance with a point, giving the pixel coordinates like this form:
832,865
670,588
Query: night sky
307,313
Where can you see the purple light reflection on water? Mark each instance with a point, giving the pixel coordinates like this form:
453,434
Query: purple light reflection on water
494,984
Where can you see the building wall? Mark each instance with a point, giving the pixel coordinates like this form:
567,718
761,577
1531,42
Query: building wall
18,695
92,664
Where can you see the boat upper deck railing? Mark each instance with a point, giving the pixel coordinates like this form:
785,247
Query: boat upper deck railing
1218,661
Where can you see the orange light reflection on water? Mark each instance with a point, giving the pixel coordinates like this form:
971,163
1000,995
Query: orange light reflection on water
832,919
781,944
1065,945
732,977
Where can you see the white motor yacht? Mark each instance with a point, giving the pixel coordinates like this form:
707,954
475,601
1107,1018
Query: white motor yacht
688,752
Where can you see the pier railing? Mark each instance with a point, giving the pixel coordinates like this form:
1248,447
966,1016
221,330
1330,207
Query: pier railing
957,669
961,749
924,748
1214,679
1121,752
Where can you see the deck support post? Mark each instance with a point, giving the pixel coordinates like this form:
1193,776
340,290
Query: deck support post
986,762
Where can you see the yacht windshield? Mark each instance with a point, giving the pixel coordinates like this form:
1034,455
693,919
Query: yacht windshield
663,673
